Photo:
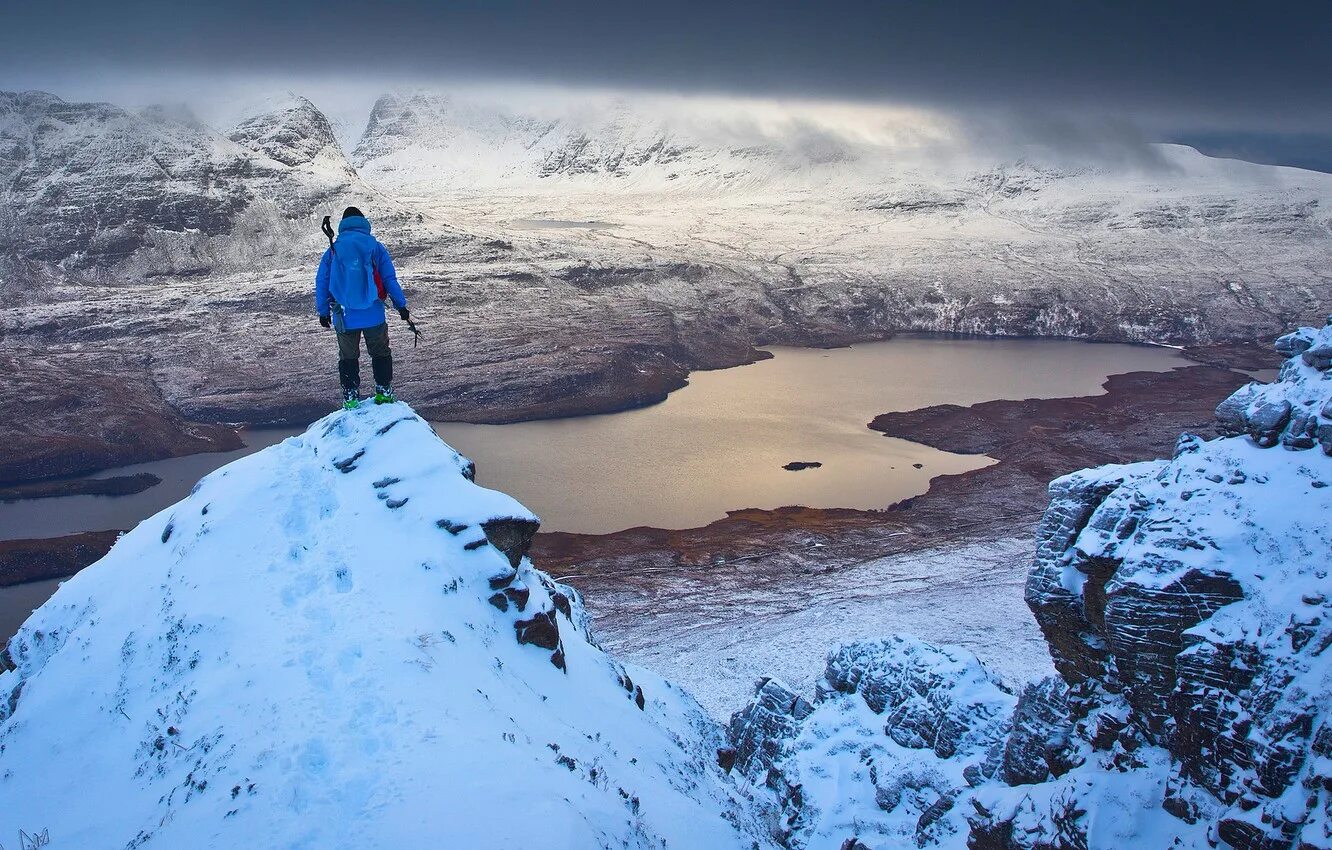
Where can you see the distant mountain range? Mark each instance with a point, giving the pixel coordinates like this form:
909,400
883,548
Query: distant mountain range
585,259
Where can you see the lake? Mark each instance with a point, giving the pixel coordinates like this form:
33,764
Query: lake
718,444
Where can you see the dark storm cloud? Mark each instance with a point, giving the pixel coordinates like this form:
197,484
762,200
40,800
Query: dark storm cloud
1218,66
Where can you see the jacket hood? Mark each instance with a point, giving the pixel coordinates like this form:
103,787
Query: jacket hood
354,222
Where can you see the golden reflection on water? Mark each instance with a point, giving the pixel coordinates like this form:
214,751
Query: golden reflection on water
720,443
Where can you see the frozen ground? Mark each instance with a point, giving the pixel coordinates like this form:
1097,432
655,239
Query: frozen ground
717,640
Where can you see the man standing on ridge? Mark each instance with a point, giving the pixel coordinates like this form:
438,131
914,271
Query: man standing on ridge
355,277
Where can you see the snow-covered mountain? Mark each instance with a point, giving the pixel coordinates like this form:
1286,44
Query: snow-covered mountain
292,131
585,257
108,193
1186,607
905,228
338,642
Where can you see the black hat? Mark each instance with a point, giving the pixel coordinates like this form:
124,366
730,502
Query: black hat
351,211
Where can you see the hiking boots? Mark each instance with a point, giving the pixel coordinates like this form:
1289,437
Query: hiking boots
350,399
384,395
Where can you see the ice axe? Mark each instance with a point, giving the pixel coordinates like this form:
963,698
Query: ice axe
416,334
327,227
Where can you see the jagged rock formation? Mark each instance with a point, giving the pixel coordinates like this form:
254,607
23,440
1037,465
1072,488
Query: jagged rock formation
294,132
308,651
101,191
1185,603
897,731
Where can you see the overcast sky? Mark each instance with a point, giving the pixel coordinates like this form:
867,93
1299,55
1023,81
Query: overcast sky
1239,74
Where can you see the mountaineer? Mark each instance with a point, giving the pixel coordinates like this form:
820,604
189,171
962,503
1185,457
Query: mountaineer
355,277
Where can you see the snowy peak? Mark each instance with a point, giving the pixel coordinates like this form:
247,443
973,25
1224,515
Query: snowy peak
398,122
295,133
339,642
168,191
416,142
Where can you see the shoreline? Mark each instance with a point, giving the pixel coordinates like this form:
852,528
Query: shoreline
820,534
172,433
1139,417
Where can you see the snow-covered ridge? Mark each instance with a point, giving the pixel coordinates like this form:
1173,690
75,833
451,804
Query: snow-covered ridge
797,230
917,232
105,191
294,132
338,642
1186,603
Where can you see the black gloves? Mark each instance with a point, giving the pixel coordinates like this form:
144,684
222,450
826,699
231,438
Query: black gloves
402,311
326,321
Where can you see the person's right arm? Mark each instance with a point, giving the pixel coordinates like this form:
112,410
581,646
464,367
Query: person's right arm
384,263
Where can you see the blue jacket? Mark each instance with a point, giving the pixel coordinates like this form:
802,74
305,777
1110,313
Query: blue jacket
352,274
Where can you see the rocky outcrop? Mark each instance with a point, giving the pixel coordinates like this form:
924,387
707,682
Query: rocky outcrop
102,191
1276,413
758,731
897,731
1040,745
1192,593
1185,603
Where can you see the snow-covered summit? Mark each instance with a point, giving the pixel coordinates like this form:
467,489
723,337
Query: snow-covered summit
292,131
338,642
113,192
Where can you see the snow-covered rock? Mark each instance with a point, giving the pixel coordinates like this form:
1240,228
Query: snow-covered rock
898,730
294,132
1188,598
338,642
112,193
1186,605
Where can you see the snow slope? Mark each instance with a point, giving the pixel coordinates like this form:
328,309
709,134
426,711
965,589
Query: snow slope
337,642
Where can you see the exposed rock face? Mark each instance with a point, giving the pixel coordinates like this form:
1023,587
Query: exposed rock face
1186,607
91,186
897,731
758,730
1040,746
511,535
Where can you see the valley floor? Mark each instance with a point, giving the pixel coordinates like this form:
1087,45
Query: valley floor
717,639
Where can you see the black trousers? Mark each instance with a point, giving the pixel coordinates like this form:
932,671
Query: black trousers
349,357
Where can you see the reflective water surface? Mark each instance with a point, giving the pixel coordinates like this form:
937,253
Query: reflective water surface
718,444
